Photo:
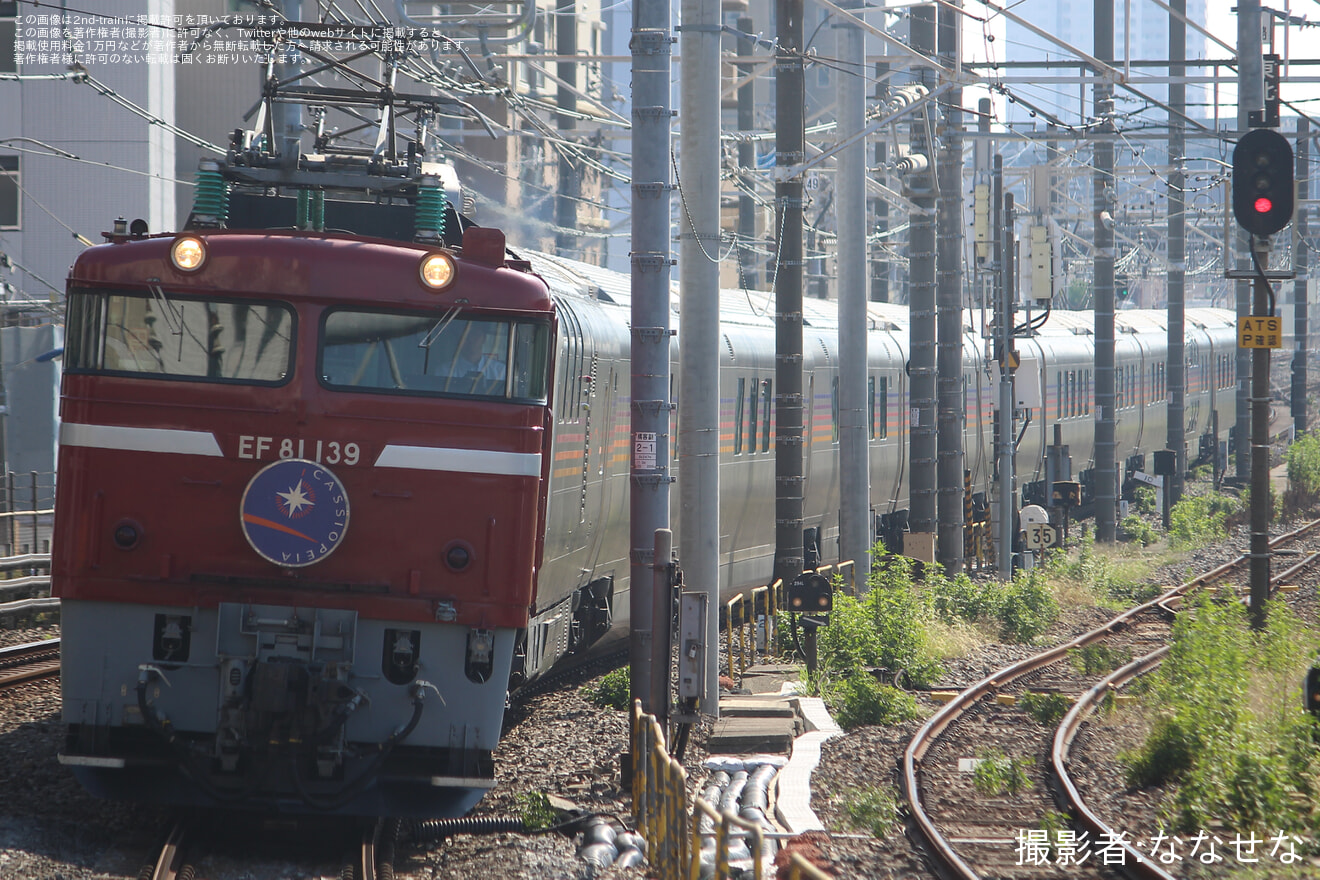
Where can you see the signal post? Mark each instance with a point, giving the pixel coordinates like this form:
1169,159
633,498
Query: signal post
1263,201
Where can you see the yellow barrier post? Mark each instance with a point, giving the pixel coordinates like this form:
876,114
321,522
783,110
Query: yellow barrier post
801,869
728,623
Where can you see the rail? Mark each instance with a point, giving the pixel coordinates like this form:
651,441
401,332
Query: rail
951,864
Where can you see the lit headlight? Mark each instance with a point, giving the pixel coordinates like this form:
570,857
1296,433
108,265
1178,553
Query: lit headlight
437,271
188,253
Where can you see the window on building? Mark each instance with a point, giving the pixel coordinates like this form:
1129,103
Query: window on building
9,193
8,36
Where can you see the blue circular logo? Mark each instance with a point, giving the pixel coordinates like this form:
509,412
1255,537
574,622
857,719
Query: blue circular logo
294,512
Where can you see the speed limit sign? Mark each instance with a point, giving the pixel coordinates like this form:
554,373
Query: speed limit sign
1039,536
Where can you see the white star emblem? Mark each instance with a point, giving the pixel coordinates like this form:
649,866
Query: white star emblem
295,498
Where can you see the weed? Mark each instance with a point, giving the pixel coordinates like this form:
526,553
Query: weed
1231,728
1028,607
1199,520
884,628
860,700
1047,709
613,690
871,809
1303,458
1020,609
1137,529
1097,658
996,774
1144,500
535,811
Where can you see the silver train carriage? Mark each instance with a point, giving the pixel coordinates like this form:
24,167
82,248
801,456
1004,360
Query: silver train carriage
582,585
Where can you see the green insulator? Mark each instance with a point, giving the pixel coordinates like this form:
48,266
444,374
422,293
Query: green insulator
318,210
303,199
430,221
211,203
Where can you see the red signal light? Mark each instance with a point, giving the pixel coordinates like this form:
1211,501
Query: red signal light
1264,205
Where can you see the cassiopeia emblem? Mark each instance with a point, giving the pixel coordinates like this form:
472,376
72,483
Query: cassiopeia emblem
294,512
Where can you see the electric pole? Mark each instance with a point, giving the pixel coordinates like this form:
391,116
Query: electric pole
790,150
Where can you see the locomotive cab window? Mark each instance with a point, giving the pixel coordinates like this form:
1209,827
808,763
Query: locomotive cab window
164,335
432,353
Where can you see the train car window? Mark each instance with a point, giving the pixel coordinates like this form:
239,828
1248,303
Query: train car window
870,396
165,335
1058,400
834,410
765,415
751,415
570,402
425,354
882,408
738,416
1087,391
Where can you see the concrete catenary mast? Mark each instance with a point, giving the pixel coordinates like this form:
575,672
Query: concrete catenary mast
1176,367
850,201
1104,203
790,150
1251,96
949,321
1301,284
699,317
921,298
649,390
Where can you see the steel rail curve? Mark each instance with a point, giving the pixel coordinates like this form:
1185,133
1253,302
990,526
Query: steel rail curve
27,662
947,861
1135,864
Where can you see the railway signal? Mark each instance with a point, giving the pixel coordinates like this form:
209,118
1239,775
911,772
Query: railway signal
1263,185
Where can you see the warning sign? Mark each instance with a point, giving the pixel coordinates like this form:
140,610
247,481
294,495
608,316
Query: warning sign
1260,332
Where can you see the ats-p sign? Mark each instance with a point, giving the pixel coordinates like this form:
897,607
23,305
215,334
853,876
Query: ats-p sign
1260,332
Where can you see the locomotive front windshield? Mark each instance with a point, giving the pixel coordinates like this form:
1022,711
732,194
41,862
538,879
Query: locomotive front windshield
434,354
160,334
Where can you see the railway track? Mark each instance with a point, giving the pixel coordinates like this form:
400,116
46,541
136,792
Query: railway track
27,662
180,856
968,833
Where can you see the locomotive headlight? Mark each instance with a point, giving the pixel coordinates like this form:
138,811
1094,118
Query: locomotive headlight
438,271
126,534
188,253
458,556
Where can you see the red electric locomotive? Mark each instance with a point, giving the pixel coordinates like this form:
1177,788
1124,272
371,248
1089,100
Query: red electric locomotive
302,494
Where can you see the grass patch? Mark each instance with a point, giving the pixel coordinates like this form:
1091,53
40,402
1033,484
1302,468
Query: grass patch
535,811
871,809
1098,658
1200,520
1230,727
1047,709
613,690
998,774
860,700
